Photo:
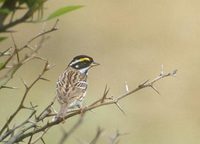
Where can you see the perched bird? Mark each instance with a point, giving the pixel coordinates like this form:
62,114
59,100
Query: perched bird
72,84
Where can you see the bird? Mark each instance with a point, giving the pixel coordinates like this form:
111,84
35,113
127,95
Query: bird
71,85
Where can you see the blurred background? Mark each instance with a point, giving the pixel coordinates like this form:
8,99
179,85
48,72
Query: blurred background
131,40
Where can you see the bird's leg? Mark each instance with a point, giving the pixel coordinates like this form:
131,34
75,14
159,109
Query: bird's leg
62,113
82,108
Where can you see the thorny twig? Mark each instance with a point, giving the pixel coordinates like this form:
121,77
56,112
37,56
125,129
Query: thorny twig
5,52
105,93
21,105
29,56
30,126
27,132
4,79
38,138
45,32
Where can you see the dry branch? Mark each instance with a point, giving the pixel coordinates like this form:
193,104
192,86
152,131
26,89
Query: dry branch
103,101
28,56
6,131
40,123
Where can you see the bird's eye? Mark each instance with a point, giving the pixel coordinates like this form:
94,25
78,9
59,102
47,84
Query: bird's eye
77,66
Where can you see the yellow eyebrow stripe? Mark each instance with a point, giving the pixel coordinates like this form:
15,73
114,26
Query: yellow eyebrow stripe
84,59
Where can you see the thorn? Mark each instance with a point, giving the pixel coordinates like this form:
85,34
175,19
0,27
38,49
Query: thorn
55,25
47,66
44,79
8,87
40,58
105,93
15,46
174,72
7,52
43,141
28,108
142,84
31,48
126,87
33,106
120,108
50,66
54,110
25,84
155,89
33,122
162,70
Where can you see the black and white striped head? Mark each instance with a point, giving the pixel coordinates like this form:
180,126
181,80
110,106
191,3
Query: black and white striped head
82,63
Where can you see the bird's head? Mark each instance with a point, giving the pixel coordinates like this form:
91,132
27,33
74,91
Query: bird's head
82,63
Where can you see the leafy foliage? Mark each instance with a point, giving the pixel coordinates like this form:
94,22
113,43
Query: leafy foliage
2,38
1,65
11,8
4,11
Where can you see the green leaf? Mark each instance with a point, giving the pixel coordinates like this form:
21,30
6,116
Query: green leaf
2,1
62,11
2,38
1,65
4,11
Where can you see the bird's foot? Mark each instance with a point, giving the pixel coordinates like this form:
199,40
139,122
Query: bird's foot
83,110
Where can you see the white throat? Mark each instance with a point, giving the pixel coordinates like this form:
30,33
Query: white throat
84,70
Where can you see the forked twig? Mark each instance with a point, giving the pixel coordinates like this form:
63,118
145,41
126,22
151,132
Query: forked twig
21,105
94,105
21,61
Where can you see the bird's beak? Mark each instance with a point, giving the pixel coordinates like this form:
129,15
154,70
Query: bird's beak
94,64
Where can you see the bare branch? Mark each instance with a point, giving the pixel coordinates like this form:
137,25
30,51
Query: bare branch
40,137
15,46
155,89
54,28
107,101
105,93
21,105
9,87
119,107
28,56
11,131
